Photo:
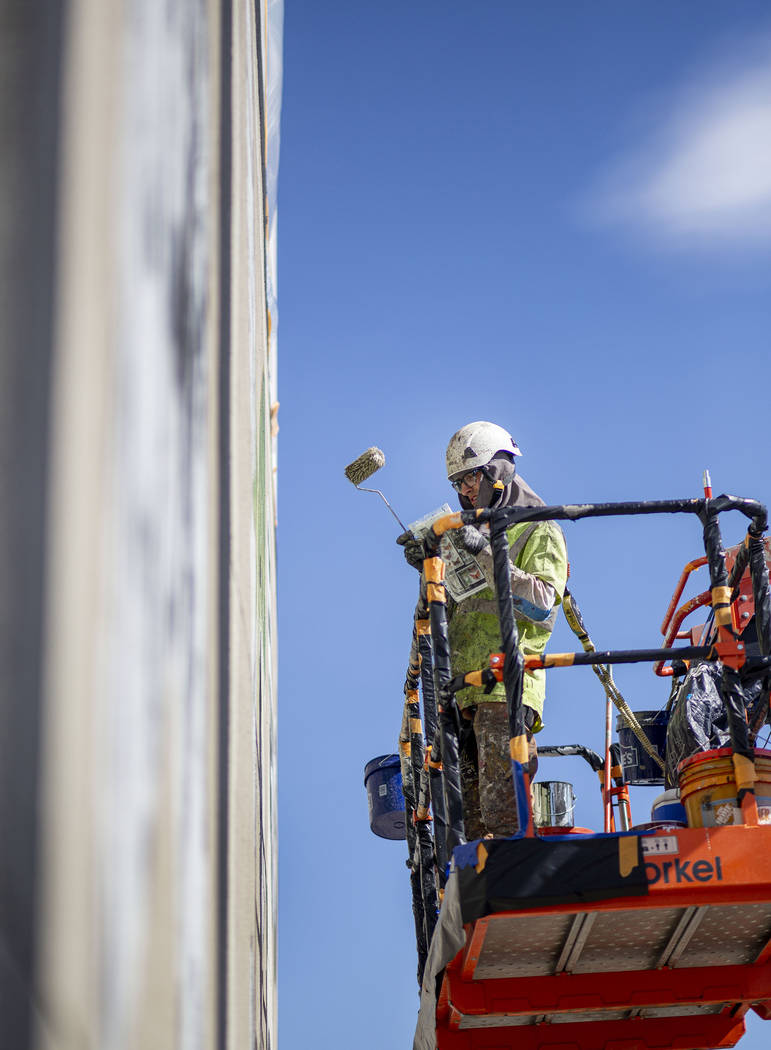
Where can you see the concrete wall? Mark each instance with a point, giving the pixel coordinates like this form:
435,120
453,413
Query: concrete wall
139,910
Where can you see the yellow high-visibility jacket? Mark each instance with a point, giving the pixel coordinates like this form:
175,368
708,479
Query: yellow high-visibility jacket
538,554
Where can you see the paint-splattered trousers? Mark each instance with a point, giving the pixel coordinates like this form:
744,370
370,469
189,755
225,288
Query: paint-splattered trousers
485,771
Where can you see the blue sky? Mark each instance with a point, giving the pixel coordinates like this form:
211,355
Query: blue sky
556,216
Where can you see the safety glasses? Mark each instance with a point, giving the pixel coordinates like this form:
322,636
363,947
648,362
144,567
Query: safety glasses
467,479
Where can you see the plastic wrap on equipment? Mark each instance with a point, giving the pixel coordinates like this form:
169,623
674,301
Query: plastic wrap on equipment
698,721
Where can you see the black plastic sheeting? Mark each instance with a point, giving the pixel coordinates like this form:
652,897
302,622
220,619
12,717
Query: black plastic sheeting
699,720
531,873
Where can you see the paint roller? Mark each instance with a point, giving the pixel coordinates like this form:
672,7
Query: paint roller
363,468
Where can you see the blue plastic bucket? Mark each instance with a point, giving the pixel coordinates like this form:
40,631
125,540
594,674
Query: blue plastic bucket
639,767
669,807
383,781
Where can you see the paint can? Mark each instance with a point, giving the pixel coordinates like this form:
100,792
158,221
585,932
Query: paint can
553,804
639,767
383,781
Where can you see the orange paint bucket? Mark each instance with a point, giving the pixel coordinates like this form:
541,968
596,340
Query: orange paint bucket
709,793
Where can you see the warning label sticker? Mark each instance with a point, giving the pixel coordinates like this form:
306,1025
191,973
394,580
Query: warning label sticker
657,844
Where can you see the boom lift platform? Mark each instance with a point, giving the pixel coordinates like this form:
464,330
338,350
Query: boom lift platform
564,939
677,966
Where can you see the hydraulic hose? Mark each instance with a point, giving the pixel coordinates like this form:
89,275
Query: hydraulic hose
513,672
417,798
433,570
433,764
409,790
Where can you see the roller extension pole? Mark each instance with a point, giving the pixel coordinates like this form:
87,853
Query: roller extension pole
364,467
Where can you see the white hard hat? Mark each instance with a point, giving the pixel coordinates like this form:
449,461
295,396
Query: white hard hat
475,445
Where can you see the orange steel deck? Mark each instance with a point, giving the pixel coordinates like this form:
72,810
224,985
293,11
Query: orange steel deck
676,969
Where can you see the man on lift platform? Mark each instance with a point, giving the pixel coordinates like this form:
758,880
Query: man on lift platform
481,467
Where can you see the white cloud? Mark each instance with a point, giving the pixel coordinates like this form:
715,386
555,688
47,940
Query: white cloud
705,171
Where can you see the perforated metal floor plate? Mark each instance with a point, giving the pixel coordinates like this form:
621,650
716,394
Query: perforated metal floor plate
728,935
627,940
624,941
522,946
